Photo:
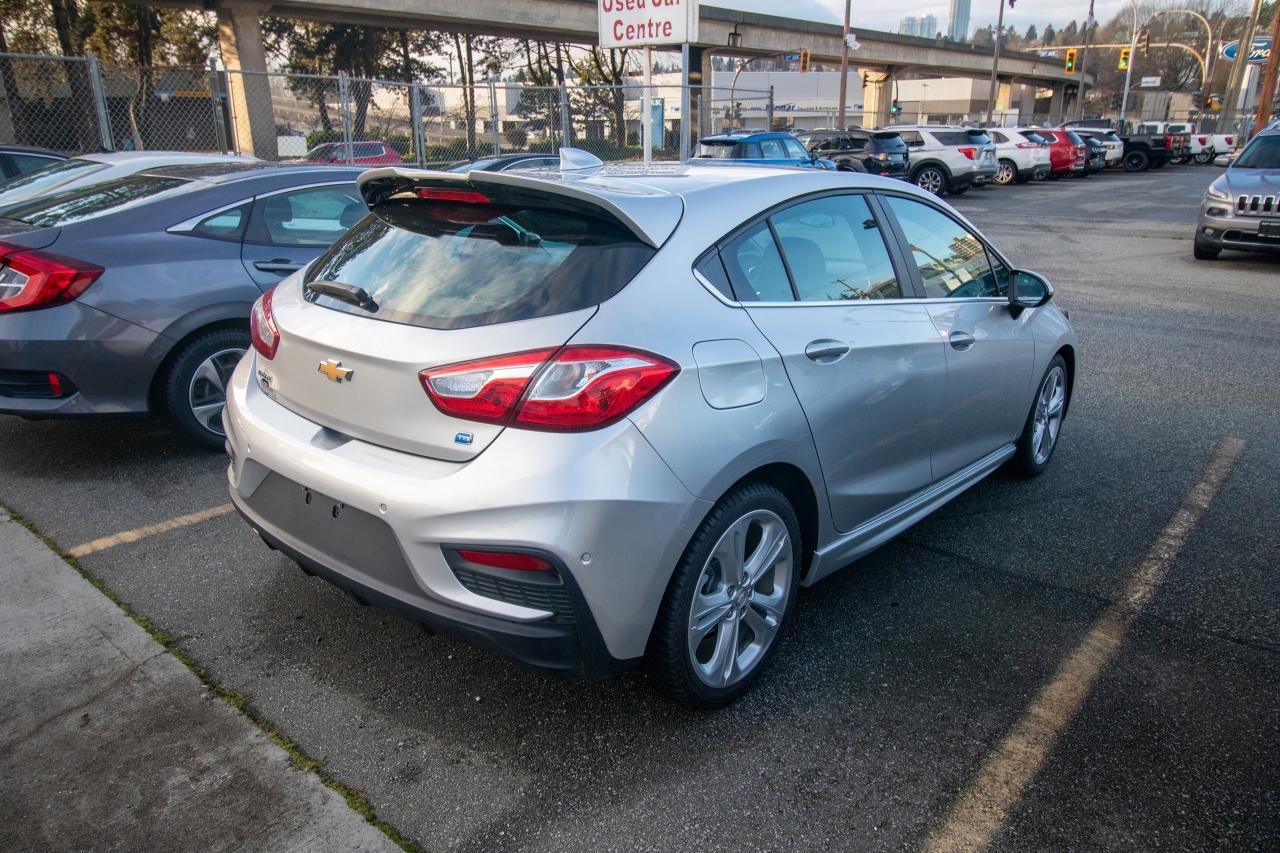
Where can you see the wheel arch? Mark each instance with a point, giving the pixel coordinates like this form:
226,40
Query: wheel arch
213,318
916,167
1068,353
799,491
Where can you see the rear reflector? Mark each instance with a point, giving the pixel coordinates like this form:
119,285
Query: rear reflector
467,196
31,279
506,560
576,388
262,327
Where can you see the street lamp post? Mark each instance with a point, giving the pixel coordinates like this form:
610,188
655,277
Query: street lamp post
1128,72
995,63
844,66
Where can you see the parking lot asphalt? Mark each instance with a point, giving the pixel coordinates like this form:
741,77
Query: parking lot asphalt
899,679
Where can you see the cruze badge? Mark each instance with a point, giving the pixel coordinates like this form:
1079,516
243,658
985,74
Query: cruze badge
335,372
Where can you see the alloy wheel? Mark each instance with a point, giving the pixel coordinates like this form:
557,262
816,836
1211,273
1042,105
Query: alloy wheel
1005,174
207,392
1050,406
740,599
930,180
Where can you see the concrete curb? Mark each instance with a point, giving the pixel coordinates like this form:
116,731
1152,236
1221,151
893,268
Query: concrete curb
107,741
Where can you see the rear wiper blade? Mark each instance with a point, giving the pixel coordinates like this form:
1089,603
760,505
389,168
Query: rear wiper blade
348,293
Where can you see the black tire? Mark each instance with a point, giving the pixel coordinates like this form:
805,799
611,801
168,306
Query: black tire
180,390
1203,253
1008,173
1204,158
959,190
668,660
930,178
1136,161
1021,179
1025,460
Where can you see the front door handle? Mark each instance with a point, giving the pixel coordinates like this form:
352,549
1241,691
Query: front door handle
826,351
962,340
278,265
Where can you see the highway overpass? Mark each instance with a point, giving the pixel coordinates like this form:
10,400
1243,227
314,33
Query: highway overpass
724,32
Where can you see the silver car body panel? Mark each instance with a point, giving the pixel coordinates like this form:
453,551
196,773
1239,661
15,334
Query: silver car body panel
1236,222
617,506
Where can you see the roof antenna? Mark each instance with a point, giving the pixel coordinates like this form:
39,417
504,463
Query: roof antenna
576,160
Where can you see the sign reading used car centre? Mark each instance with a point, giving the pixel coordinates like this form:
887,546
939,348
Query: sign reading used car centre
636,23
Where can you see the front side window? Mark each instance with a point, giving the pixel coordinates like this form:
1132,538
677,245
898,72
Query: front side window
795,149
952,261
315,216
835,250
772,149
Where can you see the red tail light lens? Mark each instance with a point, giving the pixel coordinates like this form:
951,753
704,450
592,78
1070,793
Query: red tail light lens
31,279
262,327
465,196
971,153
506,560
1202,140
573,389
1231,140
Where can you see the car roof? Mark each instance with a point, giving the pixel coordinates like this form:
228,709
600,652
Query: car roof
161,158
226,172
651,199
747,135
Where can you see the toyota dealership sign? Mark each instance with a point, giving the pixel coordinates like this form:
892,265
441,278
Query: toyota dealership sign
637,23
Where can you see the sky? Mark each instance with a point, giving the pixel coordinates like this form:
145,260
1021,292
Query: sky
885,14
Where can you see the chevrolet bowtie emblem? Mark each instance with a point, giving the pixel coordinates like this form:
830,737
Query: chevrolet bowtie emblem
334,371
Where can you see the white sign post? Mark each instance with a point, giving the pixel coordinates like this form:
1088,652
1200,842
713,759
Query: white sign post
645,23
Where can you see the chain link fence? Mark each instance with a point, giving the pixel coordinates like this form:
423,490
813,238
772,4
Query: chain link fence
75,105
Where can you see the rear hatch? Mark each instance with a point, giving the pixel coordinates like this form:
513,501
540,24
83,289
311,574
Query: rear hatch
973,142
445,271
887,146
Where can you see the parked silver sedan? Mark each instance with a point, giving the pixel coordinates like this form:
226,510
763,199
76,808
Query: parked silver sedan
600,417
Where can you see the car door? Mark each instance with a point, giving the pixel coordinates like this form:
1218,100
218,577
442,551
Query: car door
989,350
290,228
797,154
865,360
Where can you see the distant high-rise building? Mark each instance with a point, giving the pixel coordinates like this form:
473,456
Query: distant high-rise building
958,21
924,27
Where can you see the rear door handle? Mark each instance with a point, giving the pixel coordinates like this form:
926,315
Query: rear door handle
278,265
826,351
962,340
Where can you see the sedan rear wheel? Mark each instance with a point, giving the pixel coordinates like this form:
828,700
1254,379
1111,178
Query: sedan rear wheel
930,179
1006,173
195,388
728,599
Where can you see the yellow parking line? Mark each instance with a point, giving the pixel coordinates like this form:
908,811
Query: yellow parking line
150,530
984,806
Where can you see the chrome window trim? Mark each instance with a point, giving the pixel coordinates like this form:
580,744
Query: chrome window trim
188,225
352,182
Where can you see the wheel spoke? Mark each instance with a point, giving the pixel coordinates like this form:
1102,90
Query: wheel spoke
204,414
767,552
208,371
726,653
729,552
708,610
762,628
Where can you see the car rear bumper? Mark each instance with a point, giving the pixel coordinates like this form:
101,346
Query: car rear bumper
601,506
104,364
1234,232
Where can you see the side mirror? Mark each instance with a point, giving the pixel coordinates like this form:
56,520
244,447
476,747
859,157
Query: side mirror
1222,160
1028,290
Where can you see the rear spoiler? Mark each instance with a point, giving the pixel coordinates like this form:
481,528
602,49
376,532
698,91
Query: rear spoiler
648,213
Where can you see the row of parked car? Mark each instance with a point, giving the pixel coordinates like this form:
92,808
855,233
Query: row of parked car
951,159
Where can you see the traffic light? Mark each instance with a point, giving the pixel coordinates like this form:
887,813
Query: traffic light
1071,60
804,59
1123,64
895,108
1144,36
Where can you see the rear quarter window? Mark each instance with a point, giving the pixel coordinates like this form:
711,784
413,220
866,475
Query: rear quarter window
444,265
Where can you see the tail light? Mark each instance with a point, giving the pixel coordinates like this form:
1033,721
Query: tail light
1168,140
31,279
262,327
971,153
1202,140
1231,140
572,389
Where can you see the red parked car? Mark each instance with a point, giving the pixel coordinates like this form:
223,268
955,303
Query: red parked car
1067,153
362,154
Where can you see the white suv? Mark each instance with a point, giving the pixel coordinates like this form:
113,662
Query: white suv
948,159
1021,156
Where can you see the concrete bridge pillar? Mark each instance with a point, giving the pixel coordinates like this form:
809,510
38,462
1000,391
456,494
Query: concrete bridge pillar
248,88
1057,103
877,98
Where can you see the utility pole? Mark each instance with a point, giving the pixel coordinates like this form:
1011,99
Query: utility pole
844,67
1239,71
1269,76
1084,58
995,63
1128,72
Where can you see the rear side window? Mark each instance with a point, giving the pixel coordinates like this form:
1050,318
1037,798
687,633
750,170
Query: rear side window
224,225
755,266
446,265
717,150
998,137
93,201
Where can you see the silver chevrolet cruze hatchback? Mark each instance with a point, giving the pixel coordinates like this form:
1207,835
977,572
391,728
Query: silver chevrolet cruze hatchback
604,416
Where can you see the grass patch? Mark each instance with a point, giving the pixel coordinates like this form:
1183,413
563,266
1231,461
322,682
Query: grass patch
356,800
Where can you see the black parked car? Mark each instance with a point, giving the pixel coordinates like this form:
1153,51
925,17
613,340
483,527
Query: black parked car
879,152
1095,155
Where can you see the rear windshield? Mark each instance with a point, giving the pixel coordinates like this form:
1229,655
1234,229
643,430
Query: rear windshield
445,265
887,141
717,150
51,176
1073,137
962,137
1262,153
95,200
